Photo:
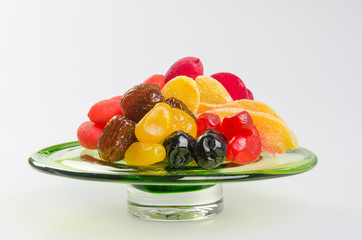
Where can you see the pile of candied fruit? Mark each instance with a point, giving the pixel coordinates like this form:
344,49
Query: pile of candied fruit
184,117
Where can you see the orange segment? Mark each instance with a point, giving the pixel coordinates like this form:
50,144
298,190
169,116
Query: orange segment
184,89
212,91
246,104
275,136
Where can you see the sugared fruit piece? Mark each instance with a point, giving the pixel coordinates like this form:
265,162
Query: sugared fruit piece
245,104
240,123
115,139
144,154
179,149
156,125
212,91
102,111
184,89
233,84
183,121
88,134
275,136
208,121
188,66
210,149
140,99
157,79
244,149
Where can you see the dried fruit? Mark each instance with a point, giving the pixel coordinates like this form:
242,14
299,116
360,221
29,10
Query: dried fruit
211,91
244,149
188,66
248,105
274,134
88,134
115,139
183,121
237,124
156,125
102,111
139,100
208,121
179,149
144,154
175,103
184,89
157,79
233,84
210,149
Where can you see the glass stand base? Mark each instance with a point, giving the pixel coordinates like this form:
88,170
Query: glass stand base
175,203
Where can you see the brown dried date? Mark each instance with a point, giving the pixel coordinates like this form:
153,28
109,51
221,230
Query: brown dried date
139,100
175,103
116,137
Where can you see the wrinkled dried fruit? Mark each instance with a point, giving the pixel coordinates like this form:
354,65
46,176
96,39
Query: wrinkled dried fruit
139,100
116,137
175,103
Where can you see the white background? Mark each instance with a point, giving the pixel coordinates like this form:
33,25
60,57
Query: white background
303,58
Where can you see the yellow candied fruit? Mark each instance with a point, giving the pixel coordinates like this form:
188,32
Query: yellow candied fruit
156,125
212,91
183,121
144,154
184,89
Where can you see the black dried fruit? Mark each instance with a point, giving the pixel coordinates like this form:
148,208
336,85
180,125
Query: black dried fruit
179,149
210,149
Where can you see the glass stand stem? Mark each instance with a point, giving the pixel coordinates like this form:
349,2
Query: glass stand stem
175,203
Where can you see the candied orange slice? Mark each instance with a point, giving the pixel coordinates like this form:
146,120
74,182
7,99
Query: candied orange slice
246,104
275,136
212,91
184,89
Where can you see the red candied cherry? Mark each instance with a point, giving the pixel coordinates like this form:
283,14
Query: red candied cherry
102,111
188,66
208,121
239,123
157,79
233,84
244,149
88,134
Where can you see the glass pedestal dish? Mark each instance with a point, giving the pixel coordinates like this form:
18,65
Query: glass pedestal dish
155,193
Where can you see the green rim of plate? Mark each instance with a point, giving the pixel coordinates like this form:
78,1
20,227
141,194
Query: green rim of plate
72,160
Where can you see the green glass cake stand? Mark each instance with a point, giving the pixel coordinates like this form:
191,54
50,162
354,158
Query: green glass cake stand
156,193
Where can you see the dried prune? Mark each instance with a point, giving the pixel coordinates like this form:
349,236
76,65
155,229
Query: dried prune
175,103
117,136
139,100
